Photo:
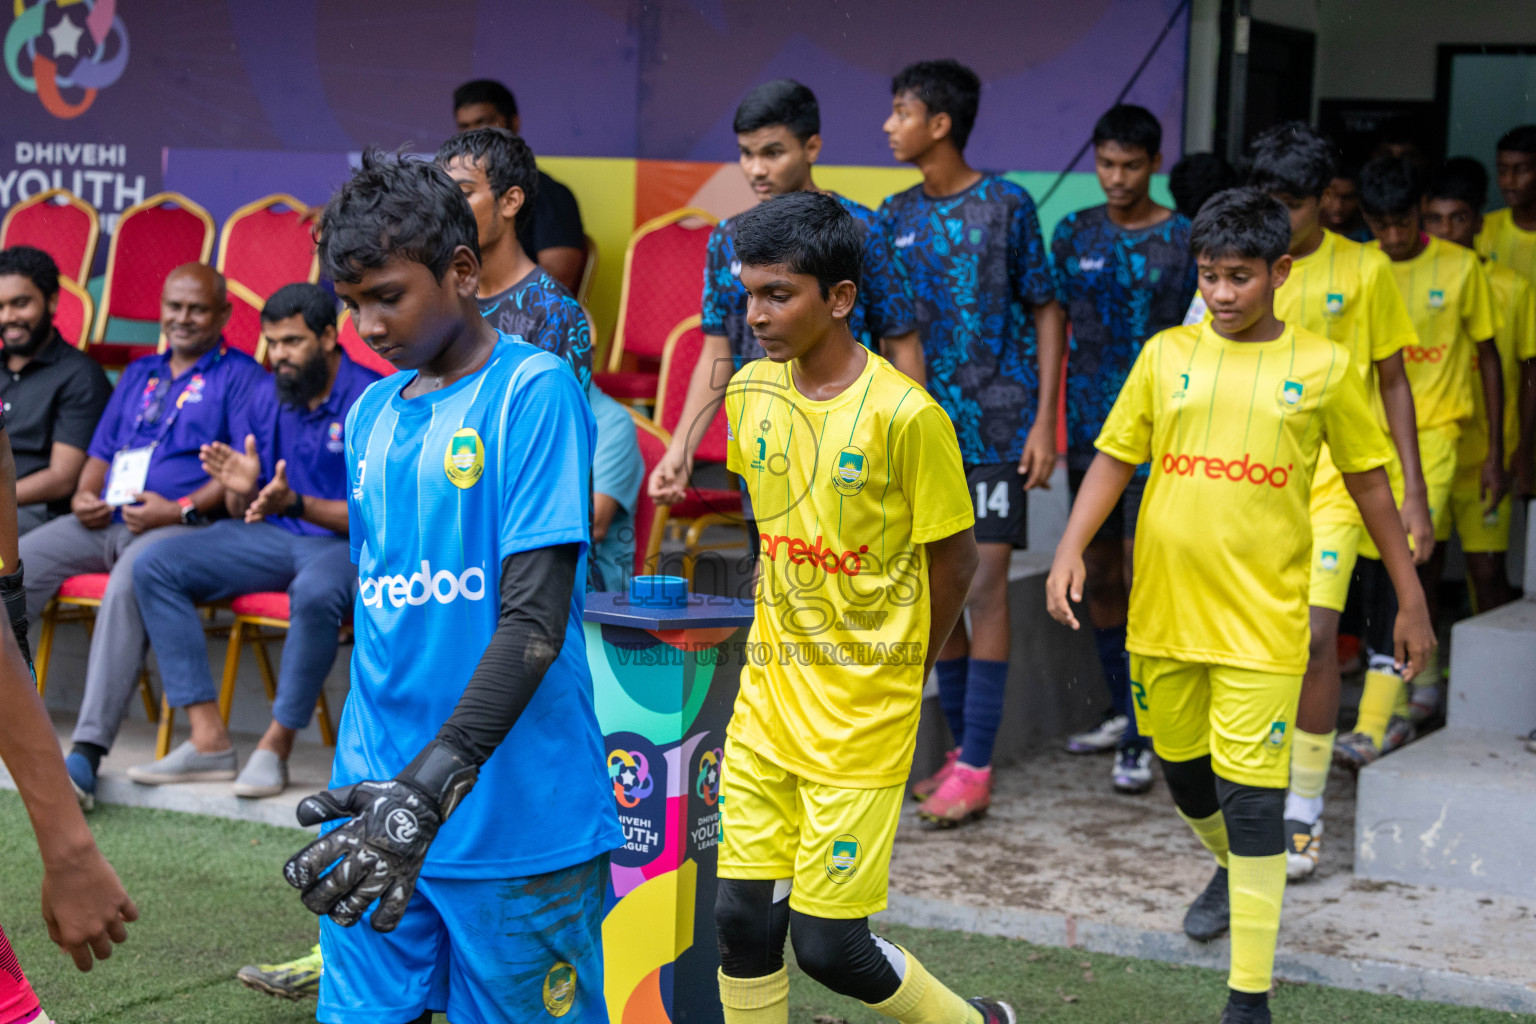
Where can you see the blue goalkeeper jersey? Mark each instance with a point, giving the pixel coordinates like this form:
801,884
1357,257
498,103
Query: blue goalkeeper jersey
445,486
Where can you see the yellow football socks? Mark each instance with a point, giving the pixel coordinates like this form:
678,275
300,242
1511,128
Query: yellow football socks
758,1000
1377,703
923,999
1212,833
1256,886
1310,756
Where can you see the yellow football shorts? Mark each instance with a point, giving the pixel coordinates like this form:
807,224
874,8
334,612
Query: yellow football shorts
1335,548
1437,458
835,843
1481,531
1242,718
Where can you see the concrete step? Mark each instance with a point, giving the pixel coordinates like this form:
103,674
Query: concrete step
1456,809
1493,670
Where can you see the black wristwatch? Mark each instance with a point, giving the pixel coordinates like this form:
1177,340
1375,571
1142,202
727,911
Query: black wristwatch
295,509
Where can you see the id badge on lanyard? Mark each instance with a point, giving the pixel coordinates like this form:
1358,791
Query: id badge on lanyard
130,469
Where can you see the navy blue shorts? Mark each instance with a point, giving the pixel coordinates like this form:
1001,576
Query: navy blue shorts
483,951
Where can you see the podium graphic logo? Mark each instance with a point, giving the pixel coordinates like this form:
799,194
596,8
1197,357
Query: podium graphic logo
843,859
560,989
72,49
464,461
707,785
631,775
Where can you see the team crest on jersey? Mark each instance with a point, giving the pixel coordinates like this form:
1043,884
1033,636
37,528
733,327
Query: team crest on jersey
464,461
1328,561
1276,735
333,442
851,471
843,859
1291,391
1333,305
560,989
1437,298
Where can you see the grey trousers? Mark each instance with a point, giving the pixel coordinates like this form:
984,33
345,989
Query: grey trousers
30,517
63,548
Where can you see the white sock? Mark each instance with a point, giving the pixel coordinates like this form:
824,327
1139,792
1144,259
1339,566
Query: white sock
1303,808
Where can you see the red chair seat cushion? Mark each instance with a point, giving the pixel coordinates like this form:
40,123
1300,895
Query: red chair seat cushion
628,384
266,605
109,355
703,501
90,585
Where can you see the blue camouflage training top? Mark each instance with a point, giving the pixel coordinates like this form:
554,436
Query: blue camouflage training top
539,310
884,309
977,264
1119,288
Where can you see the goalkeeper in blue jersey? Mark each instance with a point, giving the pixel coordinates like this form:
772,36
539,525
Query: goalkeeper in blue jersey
469,808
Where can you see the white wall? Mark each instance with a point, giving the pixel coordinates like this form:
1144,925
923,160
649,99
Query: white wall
1385,49
1366,49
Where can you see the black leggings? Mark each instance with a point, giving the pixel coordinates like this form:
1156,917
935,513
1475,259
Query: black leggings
1255,815
841,954
1378,602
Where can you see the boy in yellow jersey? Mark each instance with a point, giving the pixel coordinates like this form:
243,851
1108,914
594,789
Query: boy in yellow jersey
1508,236
1447,295
1453,203
1343,291
1232,414
867,554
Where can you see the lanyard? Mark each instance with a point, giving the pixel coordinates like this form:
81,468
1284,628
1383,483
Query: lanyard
151,407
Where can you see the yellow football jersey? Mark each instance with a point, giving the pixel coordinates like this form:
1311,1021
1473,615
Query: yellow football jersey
1224,540
846,493
1507,244
1514,303
1447,296
1344,291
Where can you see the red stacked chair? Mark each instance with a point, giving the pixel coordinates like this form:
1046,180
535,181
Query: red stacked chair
152,239
264,245
61,224
663,281
74,314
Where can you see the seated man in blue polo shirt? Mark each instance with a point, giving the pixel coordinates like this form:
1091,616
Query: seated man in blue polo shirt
143,481
287,496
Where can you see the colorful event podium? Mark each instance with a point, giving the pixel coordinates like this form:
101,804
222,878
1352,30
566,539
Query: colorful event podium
664,677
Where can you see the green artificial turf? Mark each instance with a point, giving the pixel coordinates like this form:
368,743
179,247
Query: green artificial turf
212,899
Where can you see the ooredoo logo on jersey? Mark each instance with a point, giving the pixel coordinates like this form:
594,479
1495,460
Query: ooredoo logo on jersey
1246,470
418,588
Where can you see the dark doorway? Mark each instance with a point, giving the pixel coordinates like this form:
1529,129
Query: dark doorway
1280,64
1278,85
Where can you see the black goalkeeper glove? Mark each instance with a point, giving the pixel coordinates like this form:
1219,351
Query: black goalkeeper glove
13,590
378,854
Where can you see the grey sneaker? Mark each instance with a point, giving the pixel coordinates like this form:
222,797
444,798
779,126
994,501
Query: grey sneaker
185,764
264,774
